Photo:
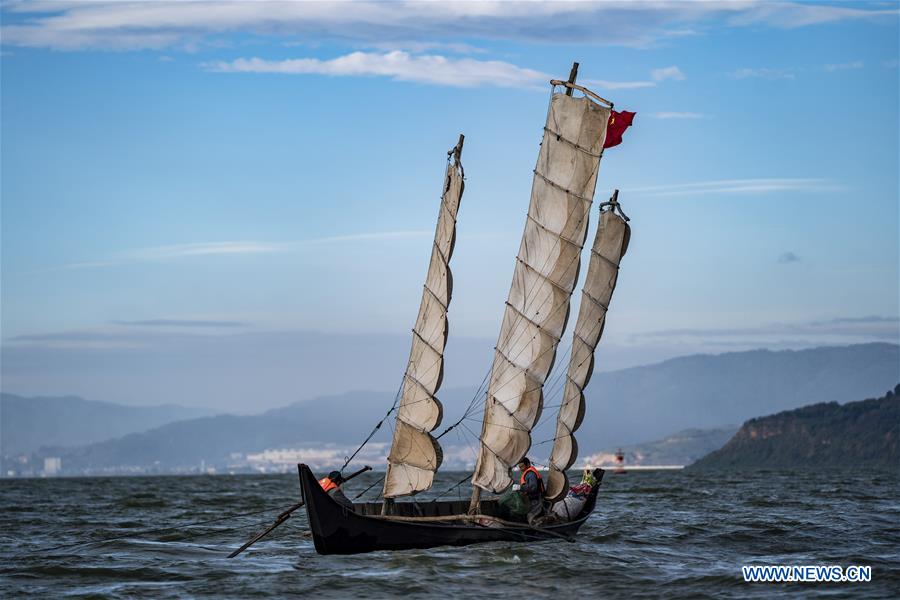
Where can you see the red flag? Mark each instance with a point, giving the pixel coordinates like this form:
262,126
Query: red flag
618,123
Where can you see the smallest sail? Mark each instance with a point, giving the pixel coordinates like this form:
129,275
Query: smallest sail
415,454
610,244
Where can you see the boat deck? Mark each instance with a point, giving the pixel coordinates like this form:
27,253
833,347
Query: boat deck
427,508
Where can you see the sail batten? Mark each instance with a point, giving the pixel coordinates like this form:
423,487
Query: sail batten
415,454
610,245
545,273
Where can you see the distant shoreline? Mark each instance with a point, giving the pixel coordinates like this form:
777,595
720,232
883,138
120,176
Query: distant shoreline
638,467
609,469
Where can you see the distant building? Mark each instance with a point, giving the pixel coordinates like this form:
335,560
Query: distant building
52,466
284,460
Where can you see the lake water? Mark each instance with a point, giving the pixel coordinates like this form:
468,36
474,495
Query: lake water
653,534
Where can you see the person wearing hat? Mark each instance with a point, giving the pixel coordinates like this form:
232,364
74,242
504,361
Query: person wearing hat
332,486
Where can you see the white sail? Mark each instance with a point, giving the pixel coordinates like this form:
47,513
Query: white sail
545,274
610,244
415,454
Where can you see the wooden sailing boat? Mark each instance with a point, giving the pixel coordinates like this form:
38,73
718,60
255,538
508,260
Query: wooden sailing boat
535,318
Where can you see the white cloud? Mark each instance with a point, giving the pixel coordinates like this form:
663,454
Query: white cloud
109,24
603,84
87,264
397,65
656,76
420,47
859,328
762,73
183,323
857,64
431,69
378,235
676,115
789,73
202,249
739,186
672,72
790,15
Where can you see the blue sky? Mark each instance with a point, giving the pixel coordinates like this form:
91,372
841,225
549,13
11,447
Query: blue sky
184,173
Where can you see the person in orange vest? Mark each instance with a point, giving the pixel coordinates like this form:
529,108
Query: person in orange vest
531,486
332,485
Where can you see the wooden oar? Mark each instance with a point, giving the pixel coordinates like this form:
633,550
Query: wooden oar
281,518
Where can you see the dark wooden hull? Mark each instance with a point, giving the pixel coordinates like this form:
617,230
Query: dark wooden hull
337,529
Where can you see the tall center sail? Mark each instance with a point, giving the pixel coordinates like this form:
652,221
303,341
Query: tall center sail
610,244
545,274
415,454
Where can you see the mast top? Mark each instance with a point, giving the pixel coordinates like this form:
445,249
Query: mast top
573,74
613,205
456,151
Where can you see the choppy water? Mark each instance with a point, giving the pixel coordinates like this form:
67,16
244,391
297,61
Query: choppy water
661,534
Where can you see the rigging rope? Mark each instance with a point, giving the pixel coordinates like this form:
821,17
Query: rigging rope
363,493
450,489
477,395
372,434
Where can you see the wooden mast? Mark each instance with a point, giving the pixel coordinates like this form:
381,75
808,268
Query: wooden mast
573,74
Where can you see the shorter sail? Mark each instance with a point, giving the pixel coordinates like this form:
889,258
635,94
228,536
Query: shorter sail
610,244
415,454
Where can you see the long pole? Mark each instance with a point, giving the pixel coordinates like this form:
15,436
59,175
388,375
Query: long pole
474,504
284,516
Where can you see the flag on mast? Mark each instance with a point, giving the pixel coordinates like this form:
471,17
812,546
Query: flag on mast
618,123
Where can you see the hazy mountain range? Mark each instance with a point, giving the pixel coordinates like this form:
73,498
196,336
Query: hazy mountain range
704,391
623,408
26,424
